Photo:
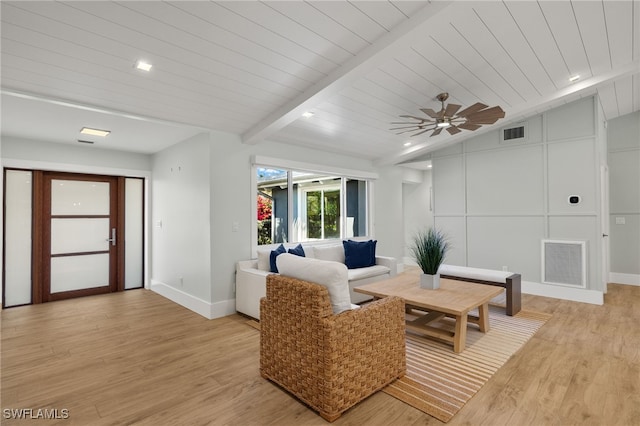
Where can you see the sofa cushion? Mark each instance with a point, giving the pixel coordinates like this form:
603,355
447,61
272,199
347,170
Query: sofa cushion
297,250
359,254
332,275
332,252
371,271
308,251
264,260
274,254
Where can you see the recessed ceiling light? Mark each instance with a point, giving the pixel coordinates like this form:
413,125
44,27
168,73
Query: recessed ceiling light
143,66
307,114
407,144
574,78
94,132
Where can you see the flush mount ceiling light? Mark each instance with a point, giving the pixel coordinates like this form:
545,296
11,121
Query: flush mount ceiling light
471,118
94,132
143,65
307,114
574,78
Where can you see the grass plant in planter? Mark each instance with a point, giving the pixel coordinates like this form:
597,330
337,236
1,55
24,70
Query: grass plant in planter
429,250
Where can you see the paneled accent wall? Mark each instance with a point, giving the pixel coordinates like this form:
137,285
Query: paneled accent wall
498,199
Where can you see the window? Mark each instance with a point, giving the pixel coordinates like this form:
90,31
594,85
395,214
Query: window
296,206
272,206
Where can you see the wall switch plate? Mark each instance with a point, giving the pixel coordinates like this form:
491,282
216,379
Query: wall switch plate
235,226
620,221
158,224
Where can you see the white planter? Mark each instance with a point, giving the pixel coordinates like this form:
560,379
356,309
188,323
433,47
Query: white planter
430,282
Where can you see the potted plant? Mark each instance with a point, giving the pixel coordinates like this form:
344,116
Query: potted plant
429,250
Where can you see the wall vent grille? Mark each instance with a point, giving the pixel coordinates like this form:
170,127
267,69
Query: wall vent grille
517,133
564,263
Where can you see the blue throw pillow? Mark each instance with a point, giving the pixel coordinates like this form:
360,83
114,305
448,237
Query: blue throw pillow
297,250
272,258
359,254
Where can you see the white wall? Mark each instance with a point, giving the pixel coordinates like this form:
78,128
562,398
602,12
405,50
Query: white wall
388,218
498,200
180,223
43,155
416,208
624,182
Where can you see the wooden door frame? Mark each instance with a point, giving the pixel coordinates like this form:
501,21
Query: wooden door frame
41,251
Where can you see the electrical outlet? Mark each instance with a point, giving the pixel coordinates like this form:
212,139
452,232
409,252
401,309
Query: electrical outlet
505,268
181,281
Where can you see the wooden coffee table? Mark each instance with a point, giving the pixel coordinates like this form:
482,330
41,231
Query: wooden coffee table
454,299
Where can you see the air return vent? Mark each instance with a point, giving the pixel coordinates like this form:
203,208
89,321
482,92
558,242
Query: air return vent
516,133
564,263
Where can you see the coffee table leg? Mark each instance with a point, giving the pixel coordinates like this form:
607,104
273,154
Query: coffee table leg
483,320
460,336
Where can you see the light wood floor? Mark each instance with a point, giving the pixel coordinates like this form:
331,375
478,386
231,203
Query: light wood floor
137,358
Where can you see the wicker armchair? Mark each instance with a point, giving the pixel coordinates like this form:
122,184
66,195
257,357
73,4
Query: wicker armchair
330,362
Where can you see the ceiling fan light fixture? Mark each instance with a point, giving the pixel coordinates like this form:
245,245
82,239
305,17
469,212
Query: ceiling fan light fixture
443,124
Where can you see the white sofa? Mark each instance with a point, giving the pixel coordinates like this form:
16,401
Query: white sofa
251,274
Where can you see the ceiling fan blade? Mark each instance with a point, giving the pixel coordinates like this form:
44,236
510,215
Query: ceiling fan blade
419,133
451,110
469,126
414,117
431,113
453,130
478,106
406,122
437,131
407,127
487,116
407,131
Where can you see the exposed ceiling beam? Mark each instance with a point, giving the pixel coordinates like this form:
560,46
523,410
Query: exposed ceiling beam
585,87
356,67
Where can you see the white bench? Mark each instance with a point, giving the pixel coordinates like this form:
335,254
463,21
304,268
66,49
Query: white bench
508,280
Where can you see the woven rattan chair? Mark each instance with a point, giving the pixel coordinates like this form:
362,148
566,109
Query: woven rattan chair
330,362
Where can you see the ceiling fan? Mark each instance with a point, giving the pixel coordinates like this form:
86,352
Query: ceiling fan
449,118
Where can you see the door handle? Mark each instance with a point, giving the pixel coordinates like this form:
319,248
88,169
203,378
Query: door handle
112,240
605,235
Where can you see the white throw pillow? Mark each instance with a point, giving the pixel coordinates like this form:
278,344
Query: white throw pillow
332,275
263,260
333,252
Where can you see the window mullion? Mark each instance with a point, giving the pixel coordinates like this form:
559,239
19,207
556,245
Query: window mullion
290,205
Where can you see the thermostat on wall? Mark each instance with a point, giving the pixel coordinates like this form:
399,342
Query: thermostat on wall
574,199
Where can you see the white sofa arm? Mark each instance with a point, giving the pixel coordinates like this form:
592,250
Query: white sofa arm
389,262
247,264
250,287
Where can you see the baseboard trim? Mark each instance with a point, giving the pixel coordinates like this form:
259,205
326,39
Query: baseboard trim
195,304
619,278
593,297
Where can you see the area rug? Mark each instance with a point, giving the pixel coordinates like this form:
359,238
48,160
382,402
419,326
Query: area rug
440,382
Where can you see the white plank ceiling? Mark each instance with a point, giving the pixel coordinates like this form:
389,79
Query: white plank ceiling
252,68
